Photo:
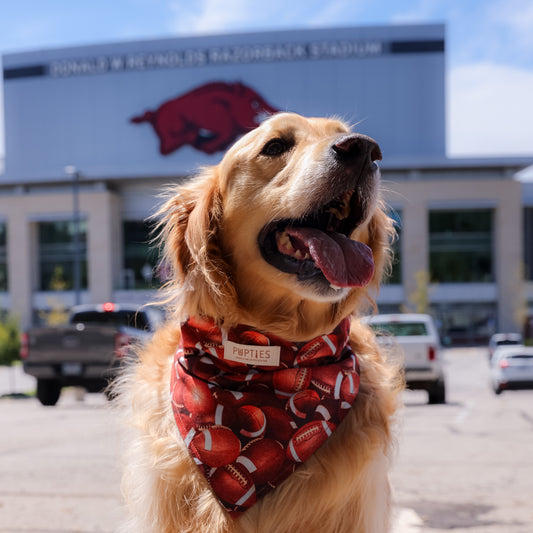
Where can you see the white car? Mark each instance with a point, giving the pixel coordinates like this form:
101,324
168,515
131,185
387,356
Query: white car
503,339
415,339
512,368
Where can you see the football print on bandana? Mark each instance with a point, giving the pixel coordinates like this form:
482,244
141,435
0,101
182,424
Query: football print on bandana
248,426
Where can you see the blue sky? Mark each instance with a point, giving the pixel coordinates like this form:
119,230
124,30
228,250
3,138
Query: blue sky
489,46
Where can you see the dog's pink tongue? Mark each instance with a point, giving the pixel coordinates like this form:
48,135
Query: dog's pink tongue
344,263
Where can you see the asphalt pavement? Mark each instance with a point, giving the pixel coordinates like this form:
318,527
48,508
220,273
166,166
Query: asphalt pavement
464,466
89,499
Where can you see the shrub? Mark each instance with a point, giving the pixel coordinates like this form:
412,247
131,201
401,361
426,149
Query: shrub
9,340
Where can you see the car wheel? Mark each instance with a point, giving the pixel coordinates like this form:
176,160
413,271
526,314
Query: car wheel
48,391
437,393
497,389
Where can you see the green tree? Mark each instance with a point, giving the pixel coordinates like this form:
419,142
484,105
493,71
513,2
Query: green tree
419,299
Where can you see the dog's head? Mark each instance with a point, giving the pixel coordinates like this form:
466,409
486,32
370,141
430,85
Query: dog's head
286,234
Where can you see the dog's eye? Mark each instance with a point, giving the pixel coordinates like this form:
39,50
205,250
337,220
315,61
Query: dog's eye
276,147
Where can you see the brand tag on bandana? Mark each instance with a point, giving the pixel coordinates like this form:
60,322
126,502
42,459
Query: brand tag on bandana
252,355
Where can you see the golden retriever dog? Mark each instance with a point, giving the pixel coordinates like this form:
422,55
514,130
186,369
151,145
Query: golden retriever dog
263,405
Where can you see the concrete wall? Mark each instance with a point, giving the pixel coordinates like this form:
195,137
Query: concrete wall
22,212
105,210
416,198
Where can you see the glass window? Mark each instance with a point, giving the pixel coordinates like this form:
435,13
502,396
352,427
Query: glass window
140,257
396,270
460,246
57,255
468,323
3,256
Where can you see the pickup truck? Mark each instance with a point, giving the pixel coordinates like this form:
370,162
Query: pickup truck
88,351
414,339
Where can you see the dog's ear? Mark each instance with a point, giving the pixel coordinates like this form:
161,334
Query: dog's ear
188,231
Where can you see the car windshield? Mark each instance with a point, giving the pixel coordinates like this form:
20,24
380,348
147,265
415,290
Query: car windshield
132,319
400,329
507,342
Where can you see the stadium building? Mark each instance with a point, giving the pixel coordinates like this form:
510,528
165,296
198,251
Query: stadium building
94,133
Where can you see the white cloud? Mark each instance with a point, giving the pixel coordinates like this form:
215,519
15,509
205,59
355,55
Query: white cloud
420,12
334,12
490,110
516,16
215,16
207,16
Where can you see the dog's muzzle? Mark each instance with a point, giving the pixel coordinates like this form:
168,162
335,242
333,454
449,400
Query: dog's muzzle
317,247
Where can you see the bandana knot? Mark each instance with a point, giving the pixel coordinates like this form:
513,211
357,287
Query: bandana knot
252,407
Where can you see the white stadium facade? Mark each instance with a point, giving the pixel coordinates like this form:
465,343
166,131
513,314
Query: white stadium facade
93,134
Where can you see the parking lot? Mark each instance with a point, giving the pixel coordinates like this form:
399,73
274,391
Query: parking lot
465,466
59,467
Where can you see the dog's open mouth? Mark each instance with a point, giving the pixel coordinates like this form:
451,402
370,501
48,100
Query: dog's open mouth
318,246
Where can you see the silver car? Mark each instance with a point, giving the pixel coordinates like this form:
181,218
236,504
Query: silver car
503,339
512,368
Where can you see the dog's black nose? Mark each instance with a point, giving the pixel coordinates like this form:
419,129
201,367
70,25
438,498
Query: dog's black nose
356,147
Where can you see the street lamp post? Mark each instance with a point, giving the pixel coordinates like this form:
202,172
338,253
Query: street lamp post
75,177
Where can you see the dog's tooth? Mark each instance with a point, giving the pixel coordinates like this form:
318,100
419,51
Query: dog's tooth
334,287
284,243
297,254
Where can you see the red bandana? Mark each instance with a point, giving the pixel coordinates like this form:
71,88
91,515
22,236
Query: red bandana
251,407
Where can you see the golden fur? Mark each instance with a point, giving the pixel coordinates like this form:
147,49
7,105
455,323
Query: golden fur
209,228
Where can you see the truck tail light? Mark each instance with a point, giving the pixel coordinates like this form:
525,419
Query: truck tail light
24,346
108,307
432,353
122,343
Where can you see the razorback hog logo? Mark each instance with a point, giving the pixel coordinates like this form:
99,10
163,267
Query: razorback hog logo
209,118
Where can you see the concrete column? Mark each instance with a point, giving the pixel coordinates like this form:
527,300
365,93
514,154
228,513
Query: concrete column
103,250
20,263
508,237
414,242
